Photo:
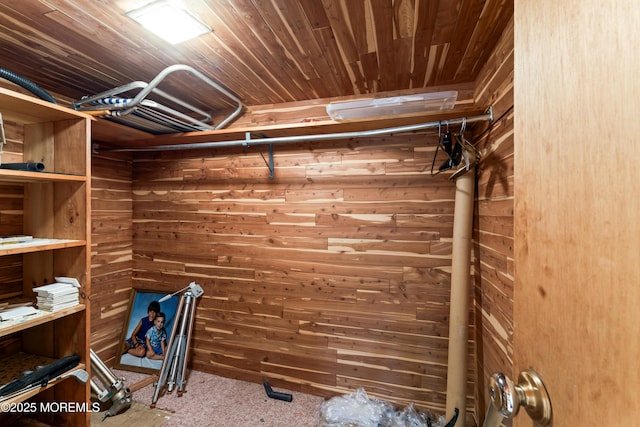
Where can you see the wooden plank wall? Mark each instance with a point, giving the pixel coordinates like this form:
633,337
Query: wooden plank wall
333,276
493,224
111,250
11,213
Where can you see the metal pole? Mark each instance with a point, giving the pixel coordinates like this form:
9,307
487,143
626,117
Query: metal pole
164,369
174,365
308,138
185,357
181,345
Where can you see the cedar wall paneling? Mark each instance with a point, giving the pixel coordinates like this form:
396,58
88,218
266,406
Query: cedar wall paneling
333,276
493,224
11,218
111,251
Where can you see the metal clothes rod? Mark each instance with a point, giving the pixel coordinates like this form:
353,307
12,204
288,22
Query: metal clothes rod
307,138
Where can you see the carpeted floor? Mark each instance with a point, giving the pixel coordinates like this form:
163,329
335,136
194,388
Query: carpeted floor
139,415
214,401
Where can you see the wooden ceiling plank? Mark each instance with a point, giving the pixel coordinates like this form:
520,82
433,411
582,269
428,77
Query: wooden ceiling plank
316,14
403,18
110,66
346,41
107,30
427,11
283,32
403,52
247,52
51,72
342,33
446,19
360,83
433,67
215,58
332,53
382,12
495,16
357,22
298,21
241,21
268,48
469,12
354,17
371,72
223,66
92,18
29,34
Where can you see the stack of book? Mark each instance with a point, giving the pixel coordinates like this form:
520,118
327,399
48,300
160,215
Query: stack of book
56,296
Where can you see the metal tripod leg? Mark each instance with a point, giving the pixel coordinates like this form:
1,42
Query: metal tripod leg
164,369
176,374
174,365
190,307
180,364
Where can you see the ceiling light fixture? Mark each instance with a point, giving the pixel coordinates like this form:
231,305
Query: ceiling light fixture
169,21
392,106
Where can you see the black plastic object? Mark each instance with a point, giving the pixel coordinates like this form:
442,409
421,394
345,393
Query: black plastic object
27,84
453,150
32,167
453,420
40,376
275,394
447,143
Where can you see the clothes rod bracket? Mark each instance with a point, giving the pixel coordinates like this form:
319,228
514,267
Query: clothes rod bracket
269,163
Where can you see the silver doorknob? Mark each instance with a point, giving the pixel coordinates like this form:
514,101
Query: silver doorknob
530,393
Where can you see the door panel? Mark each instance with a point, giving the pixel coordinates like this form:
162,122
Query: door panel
577,207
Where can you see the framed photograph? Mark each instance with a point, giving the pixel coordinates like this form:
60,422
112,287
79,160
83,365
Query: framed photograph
140,318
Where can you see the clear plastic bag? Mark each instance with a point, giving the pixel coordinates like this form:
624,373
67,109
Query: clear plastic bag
358,410
353,410
410,417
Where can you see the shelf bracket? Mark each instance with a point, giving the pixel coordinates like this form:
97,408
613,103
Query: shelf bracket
270,164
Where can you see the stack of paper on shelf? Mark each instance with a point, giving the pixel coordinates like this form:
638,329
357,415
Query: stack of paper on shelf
12,313
56,296
9,240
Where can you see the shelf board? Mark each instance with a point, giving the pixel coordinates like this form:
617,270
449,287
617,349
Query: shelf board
105,131
10,175
38,245
25,109
16,364
12,326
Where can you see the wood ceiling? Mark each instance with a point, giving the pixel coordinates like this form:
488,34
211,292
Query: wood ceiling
266,51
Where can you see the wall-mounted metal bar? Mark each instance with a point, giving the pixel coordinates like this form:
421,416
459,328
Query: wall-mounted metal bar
308,138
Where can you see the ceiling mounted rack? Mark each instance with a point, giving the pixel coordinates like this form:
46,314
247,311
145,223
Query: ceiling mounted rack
132,105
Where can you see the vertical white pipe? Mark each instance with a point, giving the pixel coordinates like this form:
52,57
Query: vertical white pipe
460,294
